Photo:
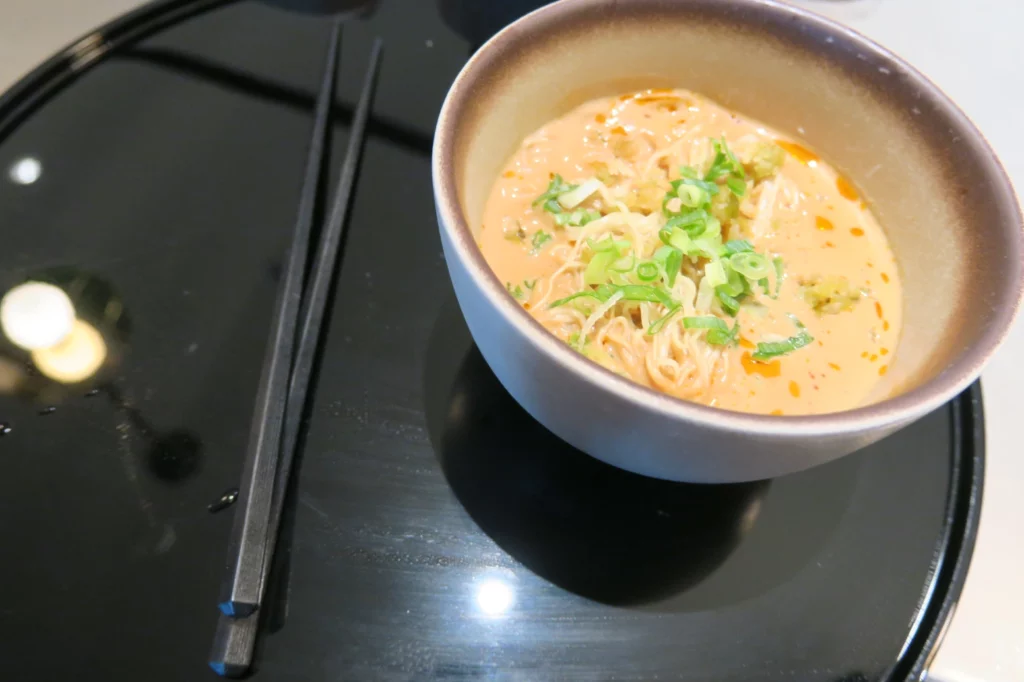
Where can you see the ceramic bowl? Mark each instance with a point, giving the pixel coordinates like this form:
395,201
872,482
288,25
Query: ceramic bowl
928,174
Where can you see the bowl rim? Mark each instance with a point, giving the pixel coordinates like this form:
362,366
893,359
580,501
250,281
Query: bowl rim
893,411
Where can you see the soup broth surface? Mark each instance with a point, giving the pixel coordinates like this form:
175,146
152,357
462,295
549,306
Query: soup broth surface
615,225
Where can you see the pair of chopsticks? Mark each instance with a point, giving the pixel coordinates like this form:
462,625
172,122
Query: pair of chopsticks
286,377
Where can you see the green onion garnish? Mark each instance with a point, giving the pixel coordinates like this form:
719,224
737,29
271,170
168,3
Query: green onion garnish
692,196
705,322
540,237
780,274
577,194
695,223
659,324
719,333
751,265
714,272
630,292
641,292
516,291
673,263
577,218
736,186
773,349
734,246
671,260
573,297
647,271
726,165
597,268
737,284
608,244
556,187
717,337
729,303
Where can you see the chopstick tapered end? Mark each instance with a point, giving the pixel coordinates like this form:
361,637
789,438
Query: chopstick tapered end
227,670
235,609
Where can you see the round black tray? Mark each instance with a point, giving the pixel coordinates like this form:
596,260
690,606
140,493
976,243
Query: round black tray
435,531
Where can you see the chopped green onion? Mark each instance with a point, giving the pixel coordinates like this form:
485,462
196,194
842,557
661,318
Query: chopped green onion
540,237
647,271
718,337
671,260
751,265
719,333
707,185
680,240
736,246
773,349
724,163
577,195
706,246
736,186
597,268
692,196
516,291
714,273
641,292
630,292
695,223
729,303
530,283
577,218
661,255
623,264
737,284
608,244
705,322
573,297
659,324
780,274
556,187
673,263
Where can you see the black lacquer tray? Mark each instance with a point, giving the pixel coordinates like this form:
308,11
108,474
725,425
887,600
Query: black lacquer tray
435,531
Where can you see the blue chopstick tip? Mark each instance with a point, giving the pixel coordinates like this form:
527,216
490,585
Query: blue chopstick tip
219,668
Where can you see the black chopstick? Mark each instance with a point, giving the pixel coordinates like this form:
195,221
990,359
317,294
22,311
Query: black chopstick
235,640
240,593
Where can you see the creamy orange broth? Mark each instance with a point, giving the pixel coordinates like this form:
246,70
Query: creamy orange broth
818,225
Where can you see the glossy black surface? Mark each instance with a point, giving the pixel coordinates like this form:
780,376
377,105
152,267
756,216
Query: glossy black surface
425,496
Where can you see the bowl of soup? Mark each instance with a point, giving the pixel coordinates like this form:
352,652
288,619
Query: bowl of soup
719,240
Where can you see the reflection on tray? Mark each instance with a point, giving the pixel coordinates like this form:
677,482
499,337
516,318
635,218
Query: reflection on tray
82,360
595,530
604,533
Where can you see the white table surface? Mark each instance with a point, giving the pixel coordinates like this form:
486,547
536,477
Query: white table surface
974,50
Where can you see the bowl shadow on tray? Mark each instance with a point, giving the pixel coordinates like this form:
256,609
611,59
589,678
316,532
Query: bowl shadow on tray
607,534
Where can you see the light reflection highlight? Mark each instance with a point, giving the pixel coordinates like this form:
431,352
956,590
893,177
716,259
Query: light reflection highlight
36,315
494,597
25,171
76,358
